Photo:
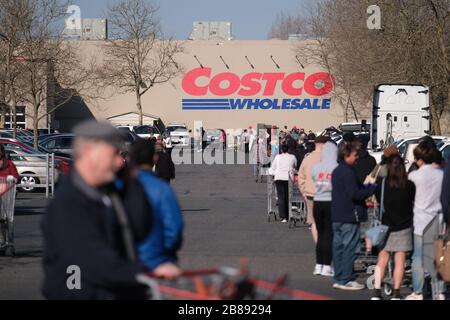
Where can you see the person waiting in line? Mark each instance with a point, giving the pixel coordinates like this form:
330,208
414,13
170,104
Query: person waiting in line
168,144
427,205
348,195
321,174
365,163
445,193
159,249
7,167
398,202
164,167
282,168
380,170
306,183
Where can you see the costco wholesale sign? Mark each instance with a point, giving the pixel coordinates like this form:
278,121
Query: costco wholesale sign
235,92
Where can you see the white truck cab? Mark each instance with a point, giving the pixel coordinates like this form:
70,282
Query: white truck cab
400,111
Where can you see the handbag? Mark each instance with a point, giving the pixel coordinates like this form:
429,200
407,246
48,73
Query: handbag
377,234
442,256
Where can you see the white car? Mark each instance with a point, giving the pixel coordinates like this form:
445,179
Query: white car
402,146
181,137
147,132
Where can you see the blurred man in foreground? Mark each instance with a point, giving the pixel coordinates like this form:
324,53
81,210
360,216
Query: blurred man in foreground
88,235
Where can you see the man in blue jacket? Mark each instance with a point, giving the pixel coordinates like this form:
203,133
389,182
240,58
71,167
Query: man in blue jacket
158,251
347,209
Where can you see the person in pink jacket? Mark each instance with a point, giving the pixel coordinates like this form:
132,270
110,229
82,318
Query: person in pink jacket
306,182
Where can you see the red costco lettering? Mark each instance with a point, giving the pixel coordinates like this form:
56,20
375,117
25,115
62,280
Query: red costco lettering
252,84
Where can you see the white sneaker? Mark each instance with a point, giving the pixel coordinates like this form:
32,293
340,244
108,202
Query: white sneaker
284,221
352,285
441,297
318,270
414,296
327,271
337,286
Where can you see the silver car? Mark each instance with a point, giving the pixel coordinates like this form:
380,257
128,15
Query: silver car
32,169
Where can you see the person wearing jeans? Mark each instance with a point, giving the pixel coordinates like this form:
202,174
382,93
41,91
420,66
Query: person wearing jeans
346,237
427,205
321,175
348,196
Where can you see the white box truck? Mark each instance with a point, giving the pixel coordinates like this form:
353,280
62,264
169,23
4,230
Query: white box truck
400,111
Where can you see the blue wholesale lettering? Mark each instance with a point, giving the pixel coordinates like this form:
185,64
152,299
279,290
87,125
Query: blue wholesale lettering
257,104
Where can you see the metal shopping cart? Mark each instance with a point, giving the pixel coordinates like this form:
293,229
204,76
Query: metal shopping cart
222,284
7,205
297,207
366,262
271,199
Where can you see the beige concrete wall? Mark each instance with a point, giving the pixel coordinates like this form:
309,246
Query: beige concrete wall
165,100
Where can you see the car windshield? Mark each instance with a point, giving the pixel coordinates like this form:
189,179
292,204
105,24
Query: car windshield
176,128
145,130
440,144
213,132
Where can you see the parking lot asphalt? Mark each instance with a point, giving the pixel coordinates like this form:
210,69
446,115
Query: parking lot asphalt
225,215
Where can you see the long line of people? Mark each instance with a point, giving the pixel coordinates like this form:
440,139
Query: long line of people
337,183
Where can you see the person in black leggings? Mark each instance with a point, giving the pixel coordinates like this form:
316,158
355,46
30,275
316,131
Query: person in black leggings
321,174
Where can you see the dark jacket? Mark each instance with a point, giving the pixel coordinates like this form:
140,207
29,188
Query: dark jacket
348,195
364,165
398,205
165,168
445,194
81,229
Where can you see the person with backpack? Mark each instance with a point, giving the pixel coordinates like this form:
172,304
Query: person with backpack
395,194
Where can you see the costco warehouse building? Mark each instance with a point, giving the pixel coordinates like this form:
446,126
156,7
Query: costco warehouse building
229,85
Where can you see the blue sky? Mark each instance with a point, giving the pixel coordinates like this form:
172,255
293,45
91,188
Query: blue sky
251,19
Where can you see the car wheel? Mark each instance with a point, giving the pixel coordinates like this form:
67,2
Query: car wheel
30,181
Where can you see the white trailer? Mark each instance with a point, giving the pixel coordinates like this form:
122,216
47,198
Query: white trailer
400,111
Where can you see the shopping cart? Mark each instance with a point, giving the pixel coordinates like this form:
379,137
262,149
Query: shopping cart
222,284
7,204
297,207
366,262
271,199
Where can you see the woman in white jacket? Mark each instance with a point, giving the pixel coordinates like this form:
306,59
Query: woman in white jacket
283,169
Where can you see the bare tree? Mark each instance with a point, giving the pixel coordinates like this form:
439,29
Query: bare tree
48,72
412,47
286,24
137,58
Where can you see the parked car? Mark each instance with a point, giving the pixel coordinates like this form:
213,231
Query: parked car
403,144
444,147
30,164
181,137
59,143
125,128
129,137
147,132
65,160
213,136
